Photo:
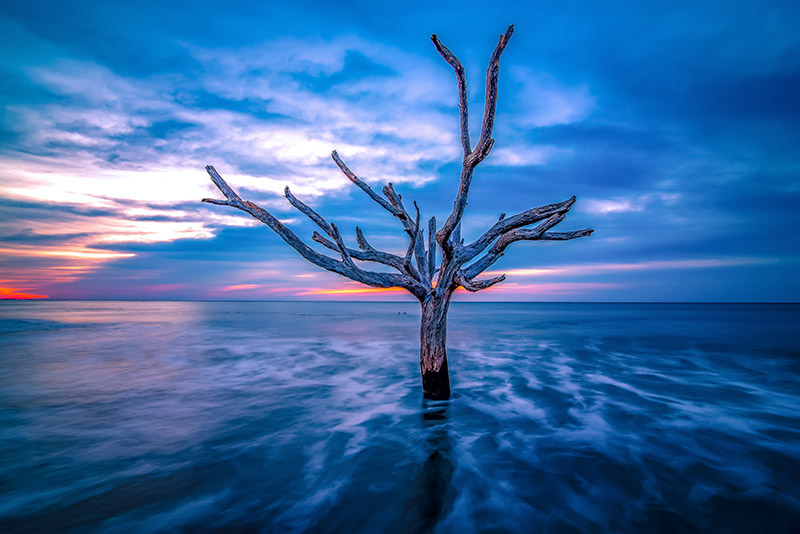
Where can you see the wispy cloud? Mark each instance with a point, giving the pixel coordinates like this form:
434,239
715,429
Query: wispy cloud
239,287
103,146
636,203
132,147
541,100
600,268
534,290
520,156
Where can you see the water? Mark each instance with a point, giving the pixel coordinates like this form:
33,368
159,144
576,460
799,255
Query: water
308,417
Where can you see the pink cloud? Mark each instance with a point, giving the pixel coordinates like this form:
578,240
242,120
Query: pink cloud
239,287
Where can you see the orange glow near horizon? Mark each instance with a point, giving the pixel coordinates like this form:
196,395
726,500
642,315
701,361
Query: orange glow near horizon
45,266
11,293
352,291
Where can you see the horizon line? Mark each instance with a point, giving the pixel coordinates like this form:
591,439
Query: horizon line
412,302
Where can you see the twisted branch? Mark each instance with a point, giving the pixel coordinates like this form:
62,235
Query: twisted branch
462,91
474,286
308,212
506,224
539,233
365,254
394,206
345,267
485,143
364,186
412,243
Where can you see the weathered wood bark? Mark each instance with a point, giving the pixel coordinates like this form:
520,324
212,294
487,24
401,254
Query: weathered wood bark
417,271
433,348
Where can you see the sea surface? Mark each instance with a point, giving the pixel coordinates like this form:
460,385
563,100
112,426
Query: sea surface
308,417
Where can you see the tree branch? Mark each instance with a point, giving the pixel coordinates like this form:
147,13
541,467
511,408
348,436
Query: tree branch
364,186
395,199
482,149
485,143
367,252
344,268
506,224
431,248
413,242
539,233
363,244
222,185
446,281
308,212
562,236
462,92
477,285
456,237
329,229
342,247
416,246
394,206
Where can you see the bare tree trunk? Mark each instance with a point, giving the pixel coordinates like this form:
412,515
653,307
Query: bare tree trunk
433,348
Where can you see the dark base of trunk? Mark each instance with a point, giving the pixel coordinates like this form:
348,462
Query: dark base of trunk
436,384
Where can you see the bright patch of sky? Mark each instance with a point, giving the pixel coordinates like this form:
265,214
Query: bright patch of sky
676,124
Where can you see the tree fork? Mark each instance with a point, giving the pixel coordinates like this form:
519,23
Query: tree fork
432,285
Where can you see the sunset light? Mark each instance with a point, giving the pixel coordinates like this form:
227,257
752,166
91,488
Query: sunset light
103,162
9,293
352,291
399,267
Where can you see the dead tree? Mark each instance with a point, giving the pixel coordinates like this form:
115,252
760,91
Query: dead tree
417,270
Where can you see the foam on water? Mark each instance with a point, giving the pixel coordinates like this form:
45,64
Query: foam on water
296,417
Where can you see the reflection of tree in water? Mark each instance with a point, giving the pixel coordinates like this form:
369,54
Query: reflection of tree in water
431,496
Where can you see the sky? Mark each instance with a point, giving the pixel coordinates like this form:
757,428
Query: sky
676,125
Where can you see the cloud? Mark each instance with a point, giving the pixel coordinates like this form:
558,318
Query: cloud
107,129
638,203
541,100
599,268
567,288
239,287
520,156
134,147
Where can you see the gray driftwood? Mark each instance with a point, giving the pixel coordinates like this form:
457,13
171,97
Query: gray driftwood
417,269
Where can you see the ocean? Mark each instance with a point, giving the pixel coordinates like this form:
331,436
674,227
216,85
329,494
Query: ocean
308,417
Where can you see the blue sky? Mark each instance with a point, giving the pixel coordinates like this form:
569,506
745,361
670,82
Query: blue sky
676,124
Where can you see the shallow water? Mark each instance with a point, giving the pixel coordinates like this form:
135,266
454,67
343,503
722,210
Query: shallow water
307,417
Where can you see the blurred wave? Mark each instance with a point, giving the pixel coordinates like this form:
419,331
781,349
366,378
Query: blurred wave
307,417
